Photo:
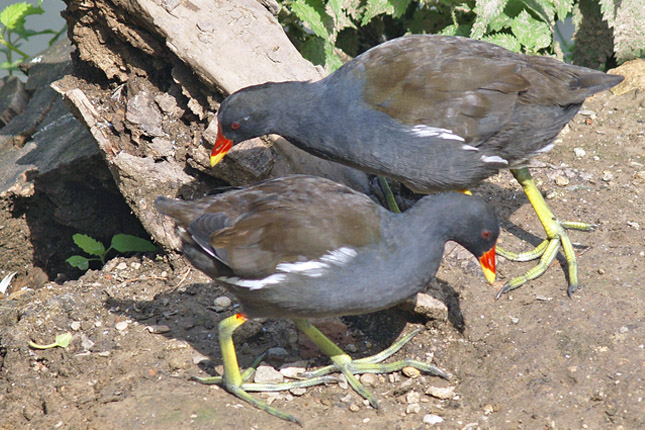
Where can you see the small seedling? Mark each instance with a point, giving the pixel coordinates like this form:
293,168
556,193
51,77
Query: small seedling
62,340
120,242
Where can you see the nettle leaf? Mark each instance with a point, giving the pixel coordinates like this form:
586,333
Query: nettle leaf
542,8
312,12
13,16
89,244
129,243
486,11
563,7
396,8
79,262
504,40
501,22
332,60
531,33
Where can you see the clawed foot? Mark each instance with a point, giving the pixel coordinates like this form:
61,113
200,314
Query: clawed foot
548,249
236,382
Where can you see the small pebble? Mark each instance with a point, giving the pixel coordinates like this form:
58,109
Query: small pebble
515,320
350,347
432,419
293,370
634,225
199,358
368,379
135,265
607,175
412,397
277,353
343,382
75,325
550,195
579,152
267,375
488,409
121,266
354,407
223,302
601,271
562,181
441,392
121,325
411,372
413,408
158,329
298,391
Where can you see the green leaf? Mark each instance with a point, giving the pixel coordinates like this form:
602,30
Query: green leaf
332,60
13,16
542,8
129,243
62,341
531,33
501,22
88,244
312,12
486,11
563,7
504,40
79,262
396,8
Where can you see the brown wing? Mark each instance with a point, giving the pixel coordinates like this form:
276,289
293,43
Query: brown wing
444,82
293,219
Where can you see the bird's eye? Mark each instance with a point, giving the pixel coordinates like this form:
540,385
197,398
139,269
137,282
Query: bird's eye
235,126
486,234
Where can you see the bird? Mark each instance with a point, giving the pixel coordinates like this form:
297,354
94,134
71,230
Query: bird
302,247
434,112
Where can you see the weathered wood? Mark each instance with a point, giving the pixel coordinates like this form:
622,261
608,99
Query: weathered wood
168,64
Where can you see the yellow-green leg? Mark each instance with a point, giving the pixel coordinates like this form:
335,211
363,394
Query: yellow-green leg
349,367
548,249
235,382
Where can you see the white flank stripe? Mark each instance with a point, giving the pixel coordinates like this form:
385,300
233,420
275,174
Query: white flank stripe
469,148
313,268
254,284
545,149
339,256
422,130
492,159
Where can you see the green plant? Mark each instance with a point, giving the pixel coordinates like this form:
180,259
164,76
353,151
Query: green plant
62,341
13,32
325,30
120,242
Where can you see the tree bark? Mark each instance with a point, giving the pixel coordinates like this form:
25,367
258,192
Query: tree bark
148,79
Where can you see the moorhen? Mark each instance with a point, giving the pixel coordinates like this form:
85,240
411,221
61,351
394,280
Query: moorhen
283,253
434,112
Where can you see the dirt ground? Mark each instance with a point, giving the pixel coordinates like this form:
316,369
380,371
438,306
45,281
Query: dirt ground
535,359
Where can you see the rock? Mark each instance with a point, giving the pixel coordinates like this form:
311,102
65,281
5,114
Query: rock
412,397
158,329
432,419
298,391
222,302
368,379
607,176
413,408
411,372
354,407
121,325
75,325
293,370
267,375
426,305
579,152
442,393
562,181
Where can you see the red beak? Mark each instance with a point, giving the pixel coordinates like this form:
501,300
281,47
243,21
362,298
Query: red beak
221,147
487,262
